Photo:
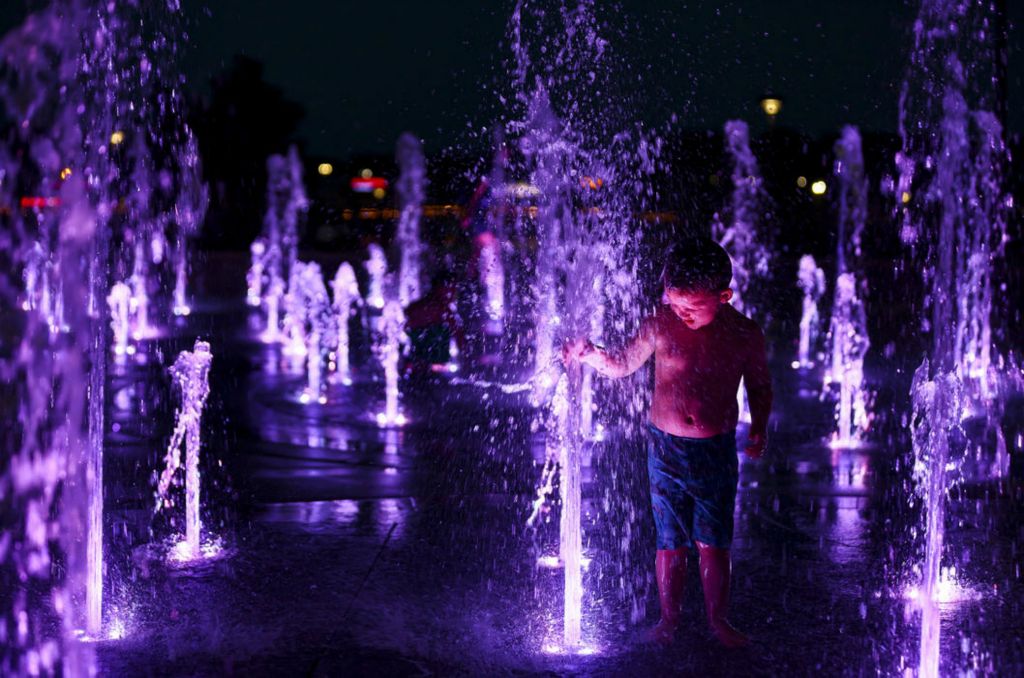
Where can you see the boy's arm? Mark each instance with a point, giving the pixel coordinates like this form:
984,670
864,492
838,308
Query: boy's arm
625,361
759,386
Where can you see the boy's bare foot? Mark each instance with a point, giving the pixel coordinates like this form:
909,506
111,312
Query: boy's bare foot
663,633
727,635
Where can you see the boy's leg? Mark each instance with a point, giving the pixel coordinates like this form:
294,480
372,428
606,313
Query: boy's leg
715,575
670,571
673,514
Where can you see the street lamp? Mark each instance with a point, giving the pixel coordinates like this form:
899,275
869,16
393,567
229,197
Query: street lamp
771,106
325,169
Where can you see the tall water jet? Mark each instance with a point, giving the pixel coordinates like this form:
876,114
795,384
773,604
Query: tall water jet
296,312
411,187
492,278
936,418
191,375
143,222
952,203
548,155
190,202
559,239
811,281
272,302
298,205
345,291
742,230
492,241
849,344
39,285
311,294
377,268
119,300
848,333
391,342
139,306
286,204
587,161
554,445
254,276
952,208
279,192
67,76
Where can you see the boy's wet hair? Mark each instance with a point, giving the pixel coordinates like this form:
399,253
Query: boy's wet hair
699,265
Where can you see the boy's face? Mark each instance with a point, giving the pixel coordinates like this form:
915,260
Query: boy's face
696,309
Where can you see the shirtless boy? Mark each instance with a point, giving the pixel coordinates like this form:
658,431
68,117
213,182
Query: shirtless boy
702,346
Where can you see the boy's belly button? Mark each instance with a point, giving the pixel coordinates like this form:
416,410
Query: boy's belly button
689,420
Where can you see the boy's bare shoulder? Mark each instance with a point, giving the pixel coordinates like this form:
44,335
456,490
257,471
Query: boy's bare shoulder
741,324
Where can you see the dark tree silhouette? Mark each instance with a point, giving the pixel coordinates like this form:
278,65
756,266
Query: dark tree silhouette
242,121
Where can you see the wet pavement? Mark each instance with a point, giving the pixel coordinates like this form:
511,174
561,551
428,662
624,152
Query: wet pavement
344,549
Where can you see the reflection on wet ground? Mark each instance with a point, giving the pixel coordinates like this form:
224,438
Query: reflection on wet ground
349,550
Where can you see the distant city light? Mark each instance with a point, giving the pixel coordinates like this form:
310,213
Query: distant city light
801,182
325,169
522,189
31,202
366,173
379,193
368,184
65,173
819,187
116,138
905,197
771,106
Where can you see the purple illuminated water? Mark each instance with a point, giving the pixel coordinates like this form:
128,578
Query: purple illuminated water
391,342
492,277
320,327
254,277
191,199
377,267
952,208
740,230
139,283
272,303
847,338
937,406
68,76
811,281
275,253
296,311
191,375
495,241
411,188
119,300
345,290
584,167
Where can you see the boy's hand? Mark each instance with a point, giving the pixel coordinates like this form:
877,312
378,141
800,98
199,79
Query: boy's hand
575,350
755,445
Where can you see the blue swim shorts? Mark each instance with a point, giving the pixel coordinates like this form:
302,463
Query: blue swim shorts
693,488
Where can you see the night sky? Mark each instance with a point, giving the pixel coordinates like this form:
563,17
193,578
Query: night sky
366,71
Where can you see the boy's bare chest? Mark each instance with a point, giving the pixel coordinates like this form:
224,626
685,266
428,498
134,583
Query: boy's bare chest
694,352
